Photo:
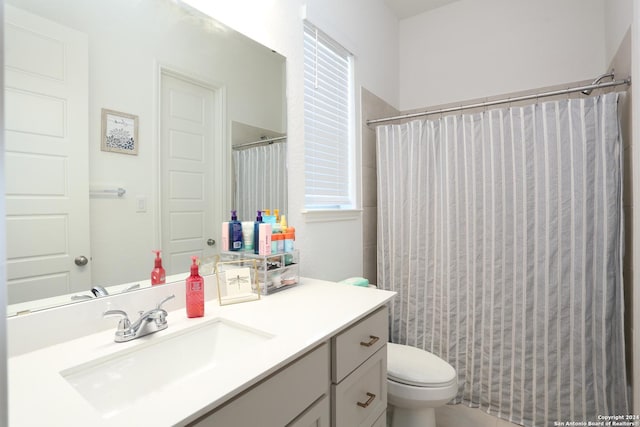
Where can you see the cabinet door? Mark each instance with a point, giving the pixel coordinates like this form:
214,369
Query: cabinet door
316,416
361,398
279,399
382,421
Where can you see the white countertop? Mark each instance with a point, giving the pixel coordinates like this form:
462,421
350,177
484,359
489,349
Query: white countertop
300,318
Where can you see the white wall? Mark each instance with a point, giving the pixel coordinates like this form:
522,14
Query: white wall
4,419
370,31
618,18
474,49
329,250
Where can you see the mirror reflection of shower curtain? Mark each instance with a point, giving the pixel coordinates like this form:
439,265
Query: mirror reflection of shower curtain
502,233
260,179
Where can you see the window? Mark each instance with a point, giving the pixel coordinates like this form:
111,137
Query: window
328,123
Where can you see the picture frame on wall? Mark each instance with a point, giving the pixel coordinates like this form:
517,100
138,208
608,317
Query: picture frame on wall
119,132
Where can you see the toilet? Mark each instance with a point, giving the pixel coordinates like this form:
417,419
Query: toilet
417,383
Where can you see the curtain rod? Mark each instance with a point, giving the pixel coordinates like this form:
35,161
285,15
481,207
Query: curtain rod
262,141
626,81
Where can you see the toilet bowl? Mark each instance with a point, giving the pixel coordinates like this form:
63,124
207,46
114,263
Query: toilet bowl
417,383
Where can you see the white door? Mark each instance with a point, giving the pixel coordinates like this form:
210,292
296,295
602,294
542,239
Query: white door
191,144
47,194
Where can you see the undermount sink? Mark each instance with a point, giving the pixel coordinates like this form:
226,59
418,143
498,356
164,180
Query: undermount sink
114,383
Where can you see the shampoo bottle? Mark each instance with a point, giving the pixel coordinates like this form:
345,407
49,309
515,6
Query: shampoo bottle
235,233
195,291
158,275
256,233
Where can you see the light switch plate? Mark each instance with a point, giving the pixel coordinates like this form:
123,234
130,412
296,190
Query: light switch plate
141,204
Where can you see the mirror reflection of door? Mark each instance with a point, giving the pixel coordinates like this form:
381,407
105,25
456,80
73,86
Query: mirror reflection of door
46,96
190,144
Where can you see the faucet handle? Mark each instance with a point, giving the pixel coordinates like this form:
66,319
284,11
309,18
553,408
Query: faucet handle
124,324
161,318
165,300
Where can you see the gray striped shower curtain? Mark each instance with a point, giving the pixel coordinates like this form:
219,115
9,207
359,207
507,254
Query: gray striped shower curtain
260,179
502,233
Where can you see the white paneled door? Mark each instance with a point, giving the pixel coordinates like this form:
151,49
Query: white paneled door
190,147
47,194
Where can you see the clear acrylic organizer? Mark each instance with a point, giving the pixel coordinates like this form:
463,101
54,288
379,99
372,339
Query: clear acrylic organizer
275,272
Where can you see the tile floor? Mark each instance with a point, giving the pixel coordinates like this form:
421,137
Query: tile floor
463,416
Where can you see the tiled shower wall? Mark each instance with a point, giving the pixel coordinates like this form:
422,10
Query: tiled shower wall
372,108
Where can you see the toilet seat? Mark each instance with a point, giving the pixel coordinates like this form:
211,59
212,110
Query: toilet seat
416,367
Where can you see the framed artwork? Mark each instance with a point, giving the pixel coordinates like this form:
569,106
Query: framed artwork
119,132
237,281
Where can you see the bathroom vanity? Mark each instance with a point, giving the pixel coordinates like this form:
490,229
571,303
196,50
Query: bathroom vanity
314,355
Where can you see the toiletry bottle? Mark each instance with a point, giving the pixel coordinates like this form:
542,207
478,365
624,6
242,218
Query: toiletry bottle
275,223
283,223
277,243
274,243
289,237
256,233
235,233
267,217
158,275
195,291
247,235
225,236
265,239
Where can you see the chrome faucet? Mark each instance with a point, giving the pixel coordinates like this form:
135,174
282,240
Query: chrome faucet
151,321
99,291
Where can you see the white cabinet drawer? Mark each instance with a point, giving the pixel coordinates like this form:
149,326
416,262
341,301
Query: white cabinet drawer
361,398
279,399
355,345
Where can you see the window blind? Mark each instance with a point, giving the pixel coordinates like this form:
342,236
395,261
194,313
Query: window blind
327,121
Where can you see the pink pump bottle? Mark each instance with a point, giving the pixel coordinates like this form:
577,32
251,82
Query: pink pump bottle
158,275
195,291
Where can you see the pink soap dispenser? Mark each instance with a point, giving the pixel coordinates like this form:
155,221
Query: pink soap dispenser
195,291
158,275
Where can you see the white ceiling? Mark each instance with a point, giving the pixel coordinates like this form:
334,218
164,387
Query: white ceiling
407,8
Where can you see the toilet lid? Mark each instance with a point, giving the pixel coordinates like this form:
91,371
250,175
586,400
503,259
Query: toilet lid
413,366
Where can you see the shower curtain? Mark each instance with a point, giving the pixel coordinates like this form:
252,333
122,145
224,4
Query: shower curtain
260,179
502,233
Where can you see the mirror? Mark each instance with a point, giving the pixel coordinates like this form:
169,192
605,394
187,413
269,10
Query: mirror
177,86
259,170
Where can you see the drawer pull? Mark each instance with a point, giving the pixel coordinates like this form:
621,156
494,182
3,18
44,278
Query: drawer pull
369,400
371,342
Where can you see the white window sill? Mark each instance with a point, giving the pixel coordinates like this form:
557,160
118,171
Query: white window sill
328,215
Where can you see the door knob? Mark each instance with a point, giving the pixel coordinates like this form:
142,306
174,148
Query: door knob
81,260
211,242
